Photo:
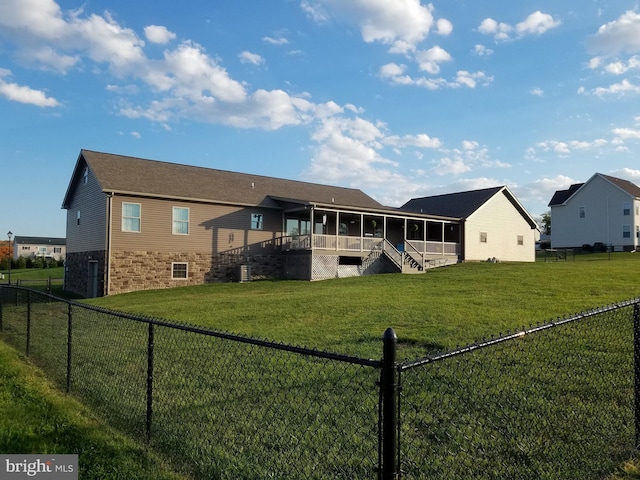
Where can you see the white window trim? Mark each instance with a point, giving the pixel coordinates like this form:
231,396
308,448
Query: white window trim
259,223
123,217
173,264
173,220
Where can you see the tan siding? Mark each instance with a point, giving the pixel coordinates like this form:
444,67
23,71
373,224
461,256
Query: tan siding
92,203
503,224
212,228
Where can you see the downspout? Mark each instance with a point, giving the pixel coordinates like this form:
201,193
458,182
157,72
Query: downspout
107,270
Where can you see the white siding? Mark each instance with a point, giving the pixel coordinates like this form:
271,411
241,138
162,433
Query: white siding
603,221
502,223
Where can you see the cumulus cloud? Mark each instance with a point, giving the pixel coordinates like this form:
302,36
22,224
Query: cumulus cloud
24,94
536,23
482,51
563,149
430,60
401,24
619,36
158,34
622,88
252,58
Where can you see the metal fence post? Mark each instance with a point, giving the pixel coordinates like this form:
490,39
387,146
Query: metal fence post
636,365
389,387
150,345
28,322
69,325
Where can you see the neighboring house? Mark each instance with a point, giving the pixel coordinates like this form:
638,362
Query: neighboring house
45,247
604,210
135,224
495,224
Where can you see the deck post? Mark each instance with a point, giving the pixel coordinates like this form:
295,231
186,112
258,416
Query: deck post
636,365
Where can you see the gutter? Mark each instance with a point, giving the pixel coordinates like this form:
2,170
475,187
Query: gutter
107,270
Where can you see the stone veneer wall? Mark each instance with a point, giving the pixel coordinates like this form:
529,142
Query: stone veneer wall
76,271
143,270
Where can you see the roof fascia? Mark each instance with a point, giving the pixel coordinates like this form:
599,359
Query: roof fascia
514,201
76,171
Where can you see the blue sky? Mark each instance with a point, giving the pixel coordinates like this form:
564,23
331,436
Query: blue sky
398,98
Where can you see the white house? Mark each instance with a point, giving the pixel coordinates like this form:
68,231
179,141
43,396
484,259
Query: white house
495,224
604,210
33,247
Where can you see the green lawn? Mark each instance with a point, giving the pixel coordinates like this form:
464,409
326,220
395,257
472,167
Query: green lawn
441,309
37,418
229,410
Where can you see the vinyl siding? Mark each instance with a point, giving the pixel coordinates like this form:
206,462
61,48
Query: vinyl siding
603,203
502,223
89,199
212,228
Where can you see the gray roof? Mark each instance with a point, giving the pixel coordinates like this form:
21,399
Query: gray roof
460,205
40,241
463,204
561,196
142,177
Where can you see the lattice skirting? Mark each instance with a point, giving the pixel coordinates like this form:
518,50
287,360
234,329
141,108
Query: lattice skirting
327,266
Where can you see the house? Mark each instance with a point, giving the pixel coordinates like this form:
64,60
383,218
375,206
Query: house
493,223
135,224
602,210
34,247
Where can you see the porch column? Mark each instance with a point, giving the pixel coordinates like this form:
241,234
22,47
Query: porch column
424,236
442,238
313,227
337,230
362,232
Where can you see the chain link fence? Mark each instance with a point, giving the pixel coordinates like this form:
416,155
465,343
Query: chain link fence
553,401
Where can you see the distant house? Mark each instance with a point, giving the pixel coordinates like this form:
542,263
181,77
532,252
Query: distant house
135,224
34,247
494,223
602,210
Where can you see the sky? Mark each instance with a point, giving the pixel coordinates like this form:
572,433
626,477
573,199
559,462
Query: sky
400,99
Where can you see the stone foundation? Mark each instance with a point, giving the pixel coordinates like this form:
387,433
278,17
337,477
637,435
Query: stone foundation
76,272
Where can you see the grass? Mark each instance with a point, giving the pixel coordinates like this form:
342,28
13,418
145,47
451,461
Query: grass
441,309
37,418
233,411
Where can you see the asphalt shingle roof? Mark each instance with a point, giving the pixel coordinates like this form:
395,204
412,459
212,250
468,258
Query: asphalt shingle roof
459,205
123,174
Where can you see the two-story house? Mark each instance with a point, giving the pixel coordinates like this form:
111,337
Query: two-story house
34,247
603,209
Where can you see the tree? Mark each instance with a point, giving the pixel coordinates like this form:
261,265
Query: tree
546,222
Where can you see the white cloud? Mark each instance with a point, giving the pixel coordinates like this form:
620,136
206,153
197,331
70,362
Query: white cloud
482,51
429,60
535,24
630,174
391,70
538,92
470,80
252,58
444,26
275,41
622,134
619,36
402,24
158,34
564,149
135,134
24,94
622,88
448,166
422,141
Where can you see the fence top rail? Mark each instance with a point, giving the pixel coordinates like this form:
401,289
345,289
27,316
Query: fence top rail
311,352
511,336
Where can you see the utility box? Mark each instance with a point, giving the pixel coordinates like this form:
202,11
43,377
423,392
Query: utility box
244,273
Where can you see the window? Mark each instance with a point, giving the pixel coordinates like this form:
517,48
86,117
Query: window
179,271
520,240
626,208
180,221
42,250
85,175
257,221
57,249
26,247
626,231
130,217
78,217
483,237
582,212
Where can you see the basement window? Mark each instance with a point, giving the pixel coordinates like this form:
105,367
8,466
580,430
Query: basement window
344,260
179,271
